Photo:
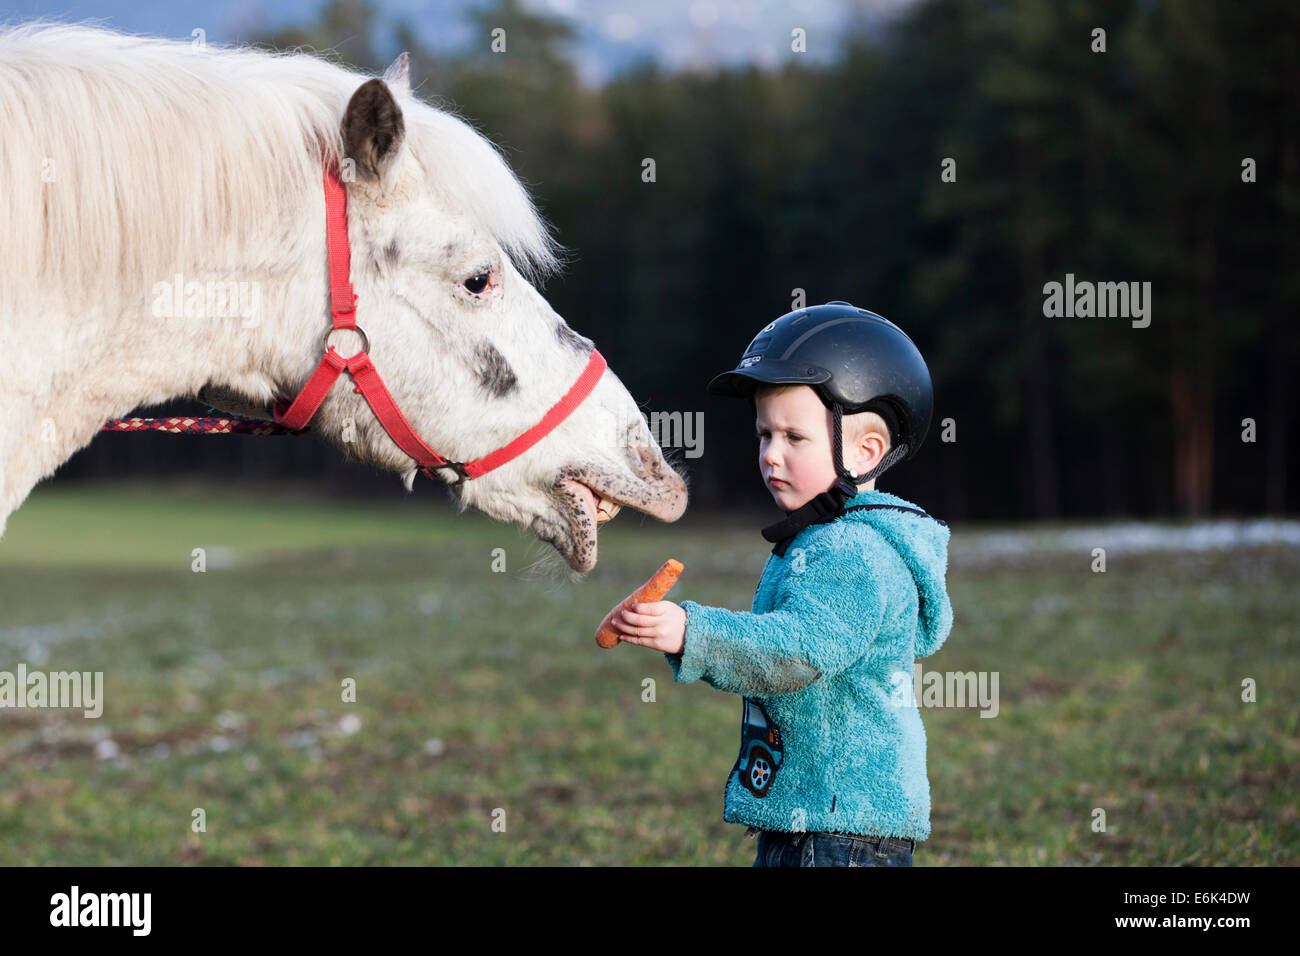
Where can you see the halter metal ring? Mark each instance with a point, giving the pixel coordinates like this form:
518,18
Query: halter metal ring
365,339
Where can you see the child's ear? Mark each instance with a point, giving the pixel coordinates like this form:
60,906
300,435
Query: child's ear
867,445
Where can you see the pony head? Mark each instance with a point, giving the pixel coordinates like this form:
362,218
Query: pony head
445,245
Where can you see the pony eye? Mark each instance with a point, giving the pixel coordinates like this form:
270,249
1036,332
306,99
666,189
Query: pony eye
476,284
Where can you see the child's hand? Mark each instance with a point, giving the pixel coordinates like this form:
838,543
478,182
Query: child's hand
658,624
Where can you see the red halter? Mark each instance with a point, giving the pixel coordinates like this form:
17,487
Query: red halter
343,299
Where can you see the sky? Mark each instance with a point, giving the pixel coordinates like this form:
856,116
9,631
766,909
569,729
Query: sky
611,34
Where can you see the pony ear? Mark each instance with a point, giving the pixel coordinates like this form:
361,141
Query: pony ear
373,129
398,75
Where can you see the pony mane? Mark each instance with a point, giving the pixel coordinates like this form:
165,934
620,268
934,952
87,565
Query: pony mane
124,158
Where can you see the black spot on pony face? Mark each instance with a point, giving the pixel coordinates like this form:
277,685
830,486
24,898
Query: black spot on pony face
386,258
494,372
573,340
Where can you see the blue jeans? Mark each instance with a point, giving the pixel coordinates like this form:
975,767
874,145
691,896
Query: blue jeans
831,849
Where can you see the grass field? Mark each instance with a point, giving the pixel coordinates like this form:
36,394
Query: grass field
482,693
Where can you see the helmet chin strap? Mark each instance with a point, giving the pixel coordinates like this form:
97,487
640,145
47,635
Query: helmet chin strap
847,485
829,504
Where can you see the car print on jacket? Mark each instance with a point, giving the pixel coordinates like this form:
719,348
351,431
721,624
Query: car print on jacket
760,749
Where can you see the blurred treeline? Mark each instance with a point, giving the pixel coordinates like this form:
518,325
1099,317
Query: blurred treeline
1125,166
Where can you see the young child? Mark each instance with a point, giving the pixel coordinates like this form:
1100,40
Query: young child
831,769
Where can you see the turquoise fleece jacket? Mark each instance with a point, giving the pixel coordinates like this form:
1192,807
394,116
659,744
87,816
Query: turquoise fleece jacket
831,738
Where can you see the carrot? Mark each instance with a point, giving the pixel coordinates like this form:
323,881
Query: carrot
660,583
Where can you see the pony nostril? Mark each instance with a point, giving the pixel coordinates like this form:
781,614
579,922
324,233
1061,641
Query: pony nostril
650,461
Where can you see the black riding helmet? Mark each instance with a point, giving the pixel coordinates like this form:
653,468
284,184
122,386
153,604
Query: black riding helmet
855,361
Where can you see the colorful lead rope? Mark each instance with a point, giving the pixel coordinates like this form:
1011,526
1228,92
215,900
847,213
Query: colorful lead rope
199,426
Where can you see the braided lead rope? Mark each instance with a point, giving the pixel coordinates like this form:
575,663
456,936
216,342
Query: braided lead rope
199,426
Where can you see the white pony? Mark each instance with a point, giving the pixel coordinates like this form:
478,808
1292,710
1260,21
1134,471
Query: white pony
138,175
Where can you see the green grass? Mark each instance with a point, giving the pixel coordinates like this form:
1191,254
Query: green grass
482,693
155,526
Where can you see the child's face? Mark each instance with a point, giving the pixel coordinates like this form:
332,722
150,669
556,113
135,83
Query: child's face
794,445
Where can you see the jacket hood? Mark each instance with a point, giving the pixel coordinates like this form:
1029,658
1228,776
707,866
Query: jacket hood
922,542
